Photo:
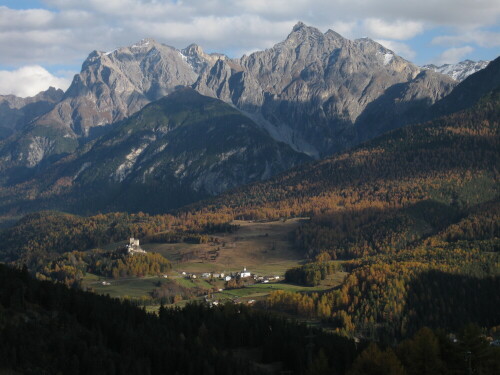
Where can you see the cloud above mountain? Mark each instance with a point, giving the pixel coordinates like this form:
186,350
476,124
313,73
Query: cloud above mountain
454,54
63,32
29,81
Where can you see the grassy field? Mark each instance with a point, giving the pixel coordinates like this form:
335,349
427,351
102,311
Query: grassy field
135,287
258,291
263,248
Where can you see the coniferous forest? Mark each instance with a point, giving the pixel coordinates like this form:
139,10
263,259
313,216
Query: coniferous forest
47,328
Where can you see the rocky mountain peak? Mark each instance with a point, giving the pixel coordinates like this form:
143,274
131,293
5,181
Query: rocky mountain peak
145,43
198,59
301,32
299,26
193,49
324,81
114,85
333,34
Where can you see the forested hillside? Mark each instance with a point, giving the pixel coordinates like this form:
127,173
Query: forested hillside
412,215
47,328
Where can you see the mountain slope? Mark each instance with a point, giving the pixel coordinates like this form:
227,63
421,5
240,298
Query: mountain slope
16,112
180,148
114,85
431,174
468,92
459,71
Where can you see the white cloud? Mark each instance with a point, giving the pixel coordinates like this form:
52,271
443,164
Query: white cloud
24,19
457,12
399,30
400,48
346,29
481,38
29,81
453,55
67,32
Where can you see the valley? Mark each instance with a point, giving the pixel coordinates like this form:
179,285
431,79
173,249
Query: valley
264,248
322,206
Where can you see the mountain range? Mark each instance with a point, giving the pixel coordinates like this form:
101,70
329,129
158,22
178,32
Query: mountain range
133,121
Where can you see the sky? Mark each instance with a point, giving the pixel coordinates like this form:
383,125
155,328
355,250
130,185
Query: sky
44,42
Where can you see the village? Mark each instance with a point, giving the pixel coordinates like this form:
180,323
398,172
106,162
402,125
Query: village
244,274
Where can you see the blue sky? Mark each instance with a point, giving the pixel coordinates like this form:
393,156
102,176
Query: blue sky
45,42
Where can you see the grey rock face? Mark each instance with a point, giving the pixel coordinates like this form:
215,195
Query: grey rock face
114,85
110,87
198,59
197,141
459,71
319,92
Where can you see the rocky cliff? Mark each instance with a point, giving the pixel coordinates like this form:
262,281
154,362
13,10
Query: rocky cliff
321,93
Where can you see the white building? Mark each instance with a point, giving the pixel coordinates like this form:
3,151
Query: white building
245,273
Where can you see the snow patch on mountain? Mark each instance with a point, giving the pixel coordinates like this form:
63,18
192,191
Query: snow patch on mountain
388,58
459,71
